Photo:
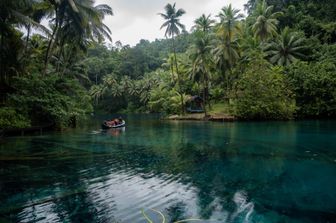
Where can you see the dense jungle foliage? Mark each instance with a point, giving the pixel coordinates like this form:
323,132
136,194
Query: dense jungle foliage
276,62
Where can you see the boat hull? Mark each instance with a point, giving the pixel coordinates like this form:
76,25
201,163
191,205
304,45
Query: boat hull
104,126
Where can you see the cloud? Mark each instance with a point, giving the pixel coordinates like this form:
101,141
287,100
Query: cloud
138,19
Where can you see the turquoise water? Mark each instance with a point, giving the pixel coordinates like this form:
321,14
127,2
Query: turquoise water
219,172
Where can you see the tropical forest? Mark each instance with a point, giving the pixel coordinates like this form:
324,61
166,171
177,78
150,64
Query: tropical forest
276,62
264,73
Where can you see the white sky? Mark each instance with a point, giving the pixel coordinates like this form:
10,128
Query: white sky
138,19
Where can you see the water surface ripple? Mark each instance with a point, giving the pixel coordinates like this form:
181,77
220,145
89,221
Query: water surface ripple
219,172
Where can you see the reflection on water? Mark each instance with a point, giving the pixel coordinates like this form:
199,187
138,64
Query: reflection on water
115,132
218,172
242,206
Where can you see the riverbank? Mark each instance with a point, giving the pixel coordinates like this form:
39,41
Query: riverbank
203,117
219,112
29,130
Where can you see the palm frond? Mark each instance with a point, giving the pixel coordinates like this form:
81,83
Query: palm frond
73,5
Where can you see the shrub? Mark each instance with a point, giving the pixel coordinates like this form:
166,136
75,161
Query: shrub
51,99
315,87
9,118
262,93
165,100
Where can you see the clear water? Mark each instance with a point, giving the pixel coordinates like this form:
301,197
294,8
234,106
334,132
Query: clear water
219,172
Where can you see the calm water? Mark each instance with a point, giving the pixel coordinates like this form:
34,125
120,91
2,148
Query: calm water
218,172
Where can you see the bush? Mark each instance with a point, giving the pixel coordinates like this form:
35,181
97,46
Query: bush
315,88
9,118
262,93
51,99
165,100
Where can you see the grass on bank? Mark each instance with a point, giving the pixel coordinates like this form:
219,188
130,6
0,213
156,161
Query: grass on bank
220,108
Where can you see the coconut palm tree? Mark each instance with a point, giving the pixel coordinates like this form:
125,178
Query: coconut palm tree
229,24
112,86
97,92
169,63
201,62
173,28
286,49
77,21
13,15
79,32
204,23
265,25
172,23
226,46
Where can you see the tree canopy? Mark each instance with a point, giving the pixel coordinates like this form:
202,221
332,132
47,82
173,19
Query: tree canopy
275,62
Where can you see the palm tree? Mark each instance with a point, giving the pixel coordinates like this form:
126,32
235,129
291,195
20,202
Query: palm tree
112,85
204,23
266,22
169,64
173,29
226,47
229,22
36,11
286,49
226,52
96,92
249,46
144,87
201,63
77,21
13,14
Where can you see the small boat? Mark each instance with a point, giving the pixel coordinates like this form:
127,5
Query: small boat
107,126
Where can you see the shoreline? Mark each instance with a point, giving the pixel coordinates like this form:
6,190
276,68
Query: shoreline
202,117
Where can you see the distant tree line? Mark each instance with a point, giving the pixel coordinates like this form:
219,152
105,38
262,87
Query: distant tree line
271,64
278,62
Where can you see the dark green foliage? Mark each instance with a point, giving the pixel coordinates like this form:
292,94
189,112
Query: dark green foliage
50,99
325,53
315,87
262,93
287,48
134,62
164,100
10,55
9,118
47,77
43,77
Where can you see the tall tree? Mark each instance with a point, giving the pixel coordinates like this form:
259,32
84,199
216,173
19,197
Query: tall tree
204,23
265,25
229,24
286,49
173,28
13,14
79,21
226,49
201,63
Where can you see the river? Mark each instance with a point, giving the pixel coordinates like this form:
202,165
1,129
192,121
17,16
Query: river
237,172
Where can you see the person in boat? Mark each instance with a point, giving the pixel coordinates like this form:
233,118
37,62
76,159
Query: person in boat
114,122
120,120
111,122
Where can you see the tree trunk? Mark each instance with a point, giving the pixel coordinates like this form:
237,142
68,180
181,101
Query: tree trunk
178,76
26,45
61,48
52,41
208,92
67,61
204,96
49,49
2,67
